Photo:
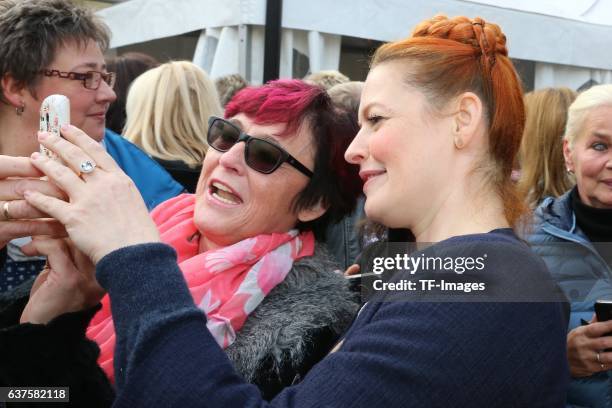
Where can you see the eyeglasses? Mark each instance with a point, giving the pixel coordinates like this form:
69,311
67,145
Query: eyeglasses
259,154
91,79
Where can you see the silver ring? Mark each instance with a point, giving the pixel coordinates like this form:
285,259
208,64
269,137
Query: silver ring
603,367
87,166
5,211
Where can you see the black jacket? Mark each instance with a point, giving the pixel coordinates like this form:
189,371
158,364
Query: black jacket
185,175
291,330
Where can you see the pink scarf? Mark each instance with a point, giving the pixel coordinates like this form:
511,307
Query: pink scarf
227,283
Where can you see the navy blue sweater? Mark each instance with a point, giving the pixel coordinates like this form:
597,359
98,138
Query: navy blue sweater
396,354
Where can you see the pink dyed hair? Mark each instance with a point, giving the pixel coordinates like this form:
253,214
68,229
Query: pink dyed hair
335,183
283,101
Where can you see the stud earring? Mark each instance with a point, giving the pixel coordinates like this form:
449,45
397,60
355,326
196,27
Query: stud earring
569,171
19,110
458,142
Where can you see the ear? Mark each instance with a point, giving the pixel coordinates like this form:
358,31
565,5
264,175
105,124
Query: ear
466,119
312,213
567,154
13,91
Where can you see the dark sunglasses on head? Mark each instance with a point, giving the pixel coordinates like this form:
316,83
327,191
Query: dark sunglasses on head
259,154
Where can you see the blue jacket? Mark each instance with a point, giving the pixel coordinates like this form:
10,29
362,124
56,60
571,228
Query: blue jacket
153,182
583,276
396,354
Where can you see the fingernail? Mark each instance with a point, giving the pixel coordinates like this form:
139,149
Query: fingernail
65,126
27,193
35,155
42,135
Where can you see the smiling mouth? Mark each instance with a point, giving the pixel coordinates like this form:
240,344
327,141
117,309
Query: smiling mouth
365,177
223,194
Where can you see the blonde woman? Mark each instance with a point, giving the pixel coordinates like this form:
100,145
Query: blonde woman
167,116
541,155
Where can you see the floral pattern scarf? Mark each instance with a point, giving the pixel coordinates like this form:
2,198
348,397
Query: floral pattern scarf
226,283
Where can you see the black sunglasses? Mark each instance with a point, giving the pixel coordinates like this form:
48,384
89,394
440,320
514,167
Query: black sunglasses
259,154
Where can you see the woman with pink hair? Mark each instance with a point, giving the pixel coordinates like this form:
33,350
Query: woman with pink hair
271,182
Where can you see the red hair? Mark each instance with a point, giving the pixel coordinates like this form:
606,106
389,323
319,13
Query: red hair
451,56
282,101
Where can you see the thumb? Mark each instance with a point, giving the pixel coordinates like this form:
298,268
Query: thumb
56,251
40,279
352,270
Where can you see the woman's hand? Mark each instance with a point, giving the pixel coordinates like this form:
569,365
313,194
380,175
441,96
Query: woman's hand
17,175
354,269
105,210
67,284
585,348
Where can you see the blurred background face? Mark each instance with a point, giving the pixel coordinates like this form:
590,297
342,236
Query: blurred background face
591,158
402,151
87,107
235,202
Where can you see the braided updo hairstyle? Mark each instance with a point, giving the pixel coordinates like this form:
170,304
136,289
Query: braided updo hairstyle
449,56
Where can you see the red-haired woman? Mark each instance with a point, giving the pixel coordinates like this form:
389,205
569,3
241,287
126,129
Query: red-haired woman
442,117
245,244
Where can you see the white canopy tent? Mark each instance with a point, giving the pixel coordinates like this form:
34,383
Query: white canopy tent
568,39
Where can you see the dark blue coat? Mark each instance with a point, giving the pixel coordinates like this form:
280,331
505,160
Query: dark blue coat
396,354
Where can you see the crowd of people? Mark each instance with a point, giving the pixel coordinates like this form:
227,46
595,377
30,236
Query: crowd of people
206,254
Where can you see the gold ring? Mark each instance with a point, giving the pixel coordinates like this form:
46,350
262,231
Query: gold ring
5,211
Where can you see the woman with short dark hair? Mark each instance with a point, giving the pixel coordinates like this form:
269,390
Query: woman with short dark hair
52,47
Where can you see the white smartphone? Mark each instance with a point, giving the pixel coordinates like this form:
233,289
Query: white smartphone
54,112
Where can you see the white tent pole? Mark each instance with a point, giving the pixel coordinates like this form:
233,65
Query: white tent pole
227,54
544,75
204,53
286,62
244,51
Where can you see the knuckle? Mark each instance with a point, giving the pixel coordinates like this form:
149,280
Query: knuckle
56,172
22,185
599,343
54,244
92,144
19,209
121,183
30,228
74,216
579,339
72,154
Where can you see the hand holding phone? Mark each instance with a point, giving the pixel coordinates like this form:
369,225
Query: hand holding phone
54,112
603,311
